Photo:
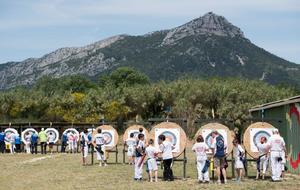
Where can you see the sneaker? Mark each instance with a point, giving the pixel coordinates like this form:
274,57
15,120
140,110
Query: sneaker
105,164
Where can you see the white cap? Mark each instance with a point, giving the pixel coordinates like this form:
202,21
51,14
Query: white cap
42,129
275,131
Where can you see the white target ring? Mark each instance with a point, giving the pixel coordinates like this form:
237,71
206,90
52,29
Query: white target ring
72,131
26,131
54,132
10,131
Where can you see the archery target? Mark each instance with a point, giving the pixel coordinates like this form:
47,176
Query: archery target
206,132
207,136
173,132
256,134
253,134
135,130
72,131
9,131
110,135
54,132
27,131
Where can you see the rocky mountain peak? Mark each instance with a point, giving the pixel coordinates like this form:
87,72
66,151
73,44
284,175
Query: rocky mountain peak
208,24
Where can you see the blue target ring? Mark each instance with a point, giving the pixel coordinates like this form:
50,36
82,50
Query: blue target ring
170,136
107,137
259,135
209,140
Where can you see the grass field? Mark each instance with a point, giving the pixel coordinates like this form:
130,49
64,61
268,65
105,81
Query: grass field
64,171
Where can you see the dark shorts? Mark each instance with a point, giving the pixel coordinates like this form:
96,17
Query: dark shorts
219,162
51,145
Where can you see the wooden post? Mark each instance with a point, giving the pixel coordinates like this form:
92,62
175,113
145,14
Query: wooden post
92,154
124,153
184,164
232,166
116,153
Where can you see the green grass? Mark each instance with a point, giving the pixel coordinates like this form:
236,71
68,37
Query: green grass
64,171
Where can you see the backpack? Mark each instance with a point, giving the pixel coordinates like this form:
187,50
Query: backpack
220,149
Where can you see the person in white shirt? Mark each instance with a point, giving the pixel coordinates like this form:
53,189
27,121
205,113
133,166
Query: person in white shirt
84,145
238,158
51,139
276,146
200,150
139,158
100,142
27,142
263,159
131,144
151,161
12,143
166,149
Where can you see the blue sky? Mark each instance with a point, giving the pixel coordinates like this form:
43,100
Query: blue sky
32,28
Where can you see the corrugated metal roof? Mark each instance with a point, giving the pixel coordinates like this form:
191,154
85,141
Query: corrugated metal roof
291,100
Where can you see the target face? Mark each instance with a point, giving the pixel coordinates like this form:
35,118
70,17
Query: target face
172,135
72,131
135,132
108,137
9,131
54,132
26,134
256,134
208,139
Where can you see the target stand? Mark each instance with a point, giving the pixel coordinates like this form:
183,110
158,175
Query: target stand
135,130
253,134
176,135
111,137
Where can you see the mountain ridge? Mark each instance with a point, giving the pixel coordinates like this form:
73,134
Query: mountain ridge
206,46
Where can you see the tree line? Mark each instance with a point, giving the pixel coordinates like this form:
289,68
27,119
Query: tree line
127,94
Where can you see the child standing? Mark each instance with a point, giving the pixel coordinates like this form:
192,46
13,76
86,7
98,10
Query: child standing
166,149
238,157
131,144
202,163
51,139
84,145
27,142
139,157
100,142
151,161
263,159
18,143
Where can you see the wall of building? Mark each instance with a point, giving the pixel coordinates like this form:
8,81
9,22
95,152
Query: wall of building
287,119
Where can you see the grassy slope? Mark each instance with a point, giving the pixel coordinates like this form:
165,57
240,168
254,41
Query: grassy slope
62,171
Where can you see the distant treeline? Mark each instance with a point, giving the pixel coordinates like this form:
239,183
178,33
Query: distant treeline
126,94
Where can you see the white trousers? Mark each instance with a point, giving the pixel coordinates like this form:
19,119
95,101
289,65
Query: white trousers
72,146
264,160
200,166
276,167
138,171
12,148
27,147
101,156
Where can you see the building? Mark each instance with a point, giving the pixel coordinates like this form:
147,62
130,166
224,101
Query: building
284,115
